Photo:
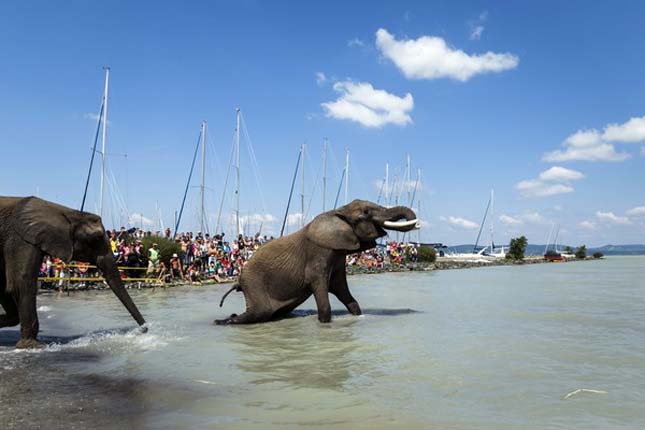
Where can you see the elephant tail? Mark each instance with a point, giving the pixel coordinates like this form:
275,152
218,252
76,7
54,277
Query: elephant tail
235,287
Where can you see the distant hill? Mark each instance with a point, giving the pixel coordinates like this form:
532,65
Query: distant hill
636,249
532,249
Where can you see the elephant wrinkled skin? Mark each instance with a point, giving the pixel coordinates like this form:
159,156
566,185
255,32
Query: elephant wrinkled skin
283,273
30,228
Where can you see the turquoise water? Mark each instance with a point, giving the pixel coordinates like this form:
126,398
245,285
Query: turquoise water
490,348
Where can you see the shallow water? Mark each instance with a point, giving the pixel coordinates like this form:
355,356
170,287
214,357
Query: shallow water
490,348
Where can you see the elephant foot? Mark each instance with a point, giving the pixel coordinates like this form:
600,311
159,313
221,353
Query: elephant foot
354,309
226,321
245,318
9,320
324,318
29,344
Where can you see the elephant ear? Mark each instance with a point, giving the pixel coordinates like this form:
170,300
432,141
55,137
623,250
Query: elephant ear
332,232
45,226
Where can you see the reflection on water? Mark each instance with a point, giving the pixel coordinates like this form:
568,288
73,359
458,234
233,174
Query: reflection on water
298,353
491,348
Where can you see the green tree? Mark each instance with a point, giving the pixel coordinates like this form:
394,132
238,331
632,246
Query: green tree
581,252
598,255
166,247
427,254
568,250
517,249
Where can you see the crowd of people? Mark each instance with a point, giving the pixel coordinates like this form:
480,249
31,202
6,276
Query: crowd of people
199,257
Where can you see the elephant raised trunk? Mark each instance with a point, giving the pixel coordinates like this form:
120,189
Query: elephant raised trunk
108,266
399,218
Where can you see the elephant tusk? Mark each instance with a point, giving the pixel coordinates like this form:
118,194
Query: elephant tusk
402,224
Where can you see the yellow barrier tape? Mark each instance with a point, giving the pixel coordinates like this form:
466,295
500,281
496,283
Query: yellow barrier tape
99,279
89,266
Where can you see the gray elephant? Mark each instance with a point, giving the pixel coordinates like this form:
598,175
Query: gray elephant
284,273
30,228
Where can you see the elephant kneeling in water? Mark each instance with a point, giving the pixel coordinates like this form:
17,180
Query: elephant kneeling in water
30,228
282,274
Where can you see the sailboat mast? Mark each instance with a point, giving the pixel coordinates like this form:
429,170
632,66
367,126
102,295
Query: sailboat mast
492,219
555,241
202,212
104,137
407,178
419,216
237,172
346,174
302,186
324,179
387,183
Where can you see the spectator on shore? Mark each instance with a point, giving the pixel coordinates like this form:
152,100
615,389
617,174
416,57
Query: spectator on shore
176,268
153,259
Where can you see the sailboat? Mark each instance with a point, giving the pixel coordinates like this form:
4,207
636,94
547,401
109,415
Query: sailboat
489,250
555,254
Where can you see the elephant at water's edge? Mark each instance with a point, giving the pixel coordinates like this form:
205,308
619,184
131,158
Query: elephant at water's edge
30,228
282,274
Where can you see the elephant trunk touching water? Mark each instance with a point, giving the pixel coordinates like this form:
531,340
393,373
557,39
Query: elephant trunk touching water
285,272
107,265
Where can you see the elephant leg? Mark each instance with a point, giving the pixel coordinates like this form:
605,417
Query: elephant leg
340,289
11,310
322,302
22,282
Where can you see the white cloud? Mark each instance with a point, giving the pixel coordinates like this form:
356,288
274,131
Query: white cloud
612,218
476,32
587,145
360,102
257,219
533,218
477,26
136,219
600,152
320,78
549,182
537,188
355,43
429,57
593,145
509,220
528,218
632,131
638,211
589,225
560,174
460,222
294,219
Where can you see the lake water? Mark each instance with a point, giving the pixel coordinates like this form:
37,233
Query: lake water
490,348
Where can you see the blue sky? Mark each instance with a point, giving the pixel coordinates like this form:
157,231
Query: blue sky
542,102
